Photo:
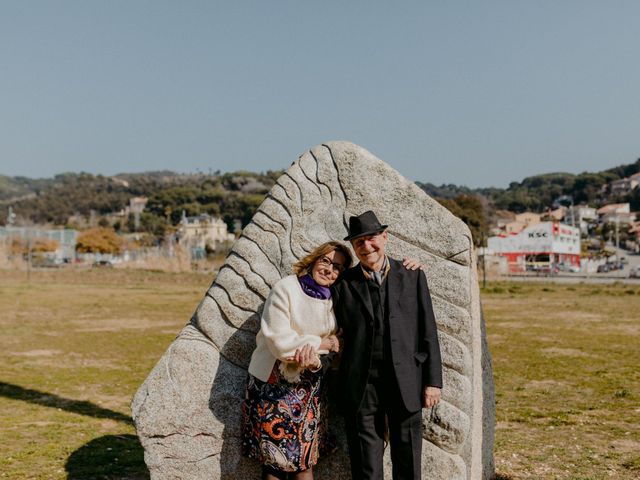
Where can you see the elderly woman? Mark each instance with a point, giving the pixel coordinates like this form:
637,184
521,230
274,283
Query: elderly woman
283,415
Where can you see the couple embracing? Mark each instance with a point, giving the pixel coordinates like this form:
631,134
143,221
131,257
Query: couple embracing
378,318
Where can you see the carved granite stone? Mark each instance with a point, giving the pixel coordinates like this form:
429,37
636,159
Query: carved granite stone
187,412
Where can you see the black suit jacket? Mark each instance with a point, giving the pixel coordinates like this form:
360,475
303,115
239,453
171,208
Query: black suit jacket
415,350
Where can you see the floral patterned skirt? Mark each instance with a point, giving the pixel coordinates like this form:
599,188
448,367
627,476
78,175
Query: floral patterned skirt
284,424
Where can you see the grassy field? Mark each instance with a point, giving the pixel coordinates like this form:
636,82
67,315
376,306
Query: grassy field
74,349
566,365
75,346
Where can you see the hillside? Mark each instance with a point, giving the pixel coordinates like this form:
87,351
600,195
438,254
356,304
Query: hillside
541,192
235,196
55,200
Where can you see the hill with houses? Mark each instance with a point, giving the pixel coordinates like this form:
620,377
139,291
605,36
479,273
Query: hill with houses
156,207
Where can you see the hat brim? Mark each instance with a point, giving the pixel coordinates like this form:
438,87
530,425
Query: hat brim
364,234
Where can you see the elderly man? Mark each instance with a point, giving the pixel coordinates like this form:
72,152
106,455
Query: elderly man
390,366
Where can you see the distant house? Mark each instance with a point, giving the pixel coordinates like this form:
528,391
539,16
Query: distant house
137,204
522,221
557,214
624,186
616,213
202,232
581,216
528,218
513,228
501,219
136,207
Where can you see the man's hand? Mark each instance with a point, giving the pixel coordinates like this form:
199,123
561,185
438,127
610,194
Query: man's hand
412,264
430,396
330,343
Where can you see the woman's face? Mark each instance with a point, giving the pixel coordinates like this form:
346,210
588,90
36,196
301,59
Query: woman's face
327,268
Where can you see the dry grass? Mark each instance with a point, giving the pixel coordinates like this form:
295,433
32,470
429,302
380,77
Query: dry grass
75,346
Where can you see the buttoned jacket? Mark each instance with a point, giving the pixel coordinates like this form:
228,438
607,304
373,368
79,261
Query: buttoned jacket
415,351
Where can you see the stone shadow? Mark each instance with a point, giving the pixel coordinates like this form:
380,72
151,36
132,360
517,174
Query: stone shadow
111,457
45,399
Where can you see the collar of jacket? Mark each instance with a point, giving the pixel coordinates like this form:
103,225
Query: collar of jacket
359,284
369,273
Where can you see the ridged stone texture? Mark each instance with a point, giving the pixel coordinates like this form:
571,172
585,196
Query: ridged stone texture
187,412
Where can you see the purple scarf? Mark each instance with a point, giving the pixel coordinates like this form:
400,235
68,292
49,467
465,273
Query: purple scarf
313,289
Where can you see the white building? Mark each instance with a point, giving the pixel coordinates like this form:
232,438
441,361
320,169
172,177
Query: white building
202,231
619,213
624,186
542,245
581,216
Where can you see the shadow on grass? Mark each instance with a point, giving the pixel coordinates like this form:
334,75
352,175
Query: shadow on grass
112,457
81,407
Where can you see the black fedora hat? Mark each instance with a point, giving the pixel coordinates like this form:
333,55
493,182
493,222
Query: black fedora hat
364,224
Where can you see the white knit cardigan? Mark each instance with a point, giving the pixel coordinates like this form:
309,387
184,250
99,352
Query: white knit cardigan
290,320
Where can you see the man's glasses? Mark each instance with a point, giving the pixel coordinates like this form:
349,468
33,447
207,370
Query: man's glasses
326,262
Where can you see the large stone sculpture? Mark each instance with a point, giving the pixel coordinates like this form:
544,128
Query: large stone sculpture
187,412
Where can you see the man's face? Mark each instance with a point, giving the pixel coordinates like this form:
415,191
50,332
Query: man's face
370,249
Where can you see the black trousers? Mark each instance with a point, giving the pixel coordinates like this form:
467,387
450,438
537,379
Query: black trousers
366,428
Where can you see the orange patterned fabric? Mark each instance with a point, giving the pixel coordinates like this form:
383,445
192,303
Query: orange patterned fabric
284,424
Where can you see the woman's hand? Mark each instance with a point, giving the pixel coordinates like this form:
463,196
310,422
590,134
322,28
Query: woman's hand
306,358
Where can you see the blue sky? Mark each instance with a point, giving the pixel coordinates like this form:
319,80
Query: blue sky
464,92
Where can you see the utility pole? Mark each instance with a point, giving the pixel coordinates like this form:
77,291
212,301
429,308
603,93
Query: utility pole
484,265
28,256
11,217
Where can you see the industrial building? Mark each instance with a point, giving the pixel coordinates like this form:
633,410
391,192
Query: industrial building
539,247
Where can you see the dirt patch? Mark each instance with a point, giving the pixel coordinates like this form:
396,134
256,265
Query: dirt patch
571,315
120,324
626,445
37,353
37,424
172,331
515,324
625,328
565,352
544,384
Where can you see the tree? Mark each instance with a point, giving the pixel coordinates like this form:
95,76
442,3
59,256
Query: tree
99,240
20,246
44,245
469,209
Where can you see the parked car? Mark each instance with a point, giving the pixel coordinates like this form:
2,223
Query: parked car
604,268
103,264
567,267
634,272
615,266
547,269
